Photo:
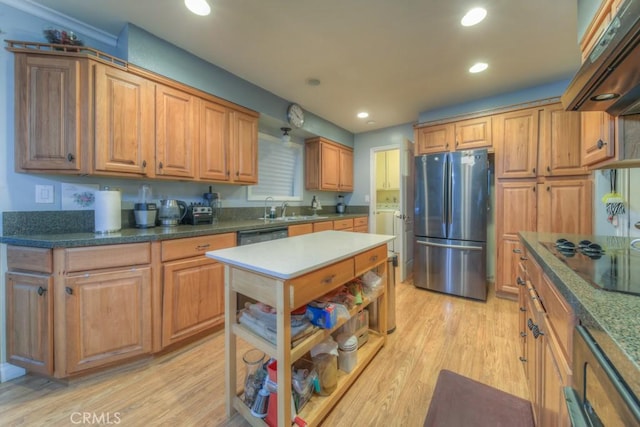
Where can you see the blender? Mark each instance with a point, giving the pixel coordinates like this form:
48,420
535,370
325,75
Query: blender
145,211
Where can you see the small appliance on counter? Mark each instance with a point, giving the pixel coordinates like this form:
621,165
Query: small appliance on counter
341,207
198,213
213,200
171,212
145,211
145,214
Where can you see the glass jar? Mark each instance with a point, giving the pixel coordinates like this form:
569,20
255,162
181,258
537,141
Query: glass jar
327,367
254,375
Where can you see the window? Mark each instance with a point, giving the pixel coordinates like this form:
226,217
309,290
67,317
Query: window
279,170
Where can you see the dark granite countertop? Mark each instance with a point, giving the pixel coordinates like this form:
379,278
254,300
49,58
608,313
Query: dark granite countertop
612,318
135,235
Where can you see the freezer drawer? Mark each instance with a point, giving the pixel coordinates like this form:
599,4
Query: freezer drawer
451,266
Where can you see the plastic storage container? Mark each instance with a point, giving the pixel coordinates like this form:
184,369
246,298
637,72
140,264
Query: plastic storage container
326,366
347,353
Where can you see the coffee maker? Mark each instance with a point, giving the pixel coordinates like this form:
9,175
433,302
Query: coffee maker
145,211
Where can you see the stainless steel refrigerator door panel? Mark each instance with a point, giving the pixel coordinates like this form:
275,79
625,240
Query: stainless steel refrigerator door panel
430,214
468,195
452,267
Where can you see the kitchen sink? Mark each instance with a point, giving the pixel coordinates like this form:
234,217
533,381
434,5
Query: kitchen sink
294,218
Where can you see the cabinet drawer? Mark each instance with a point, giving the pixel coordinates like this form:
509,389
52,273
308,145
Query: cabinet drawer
560,315
194,246
342,224
367,260
29,259
360,221
317,283
109,256
322,226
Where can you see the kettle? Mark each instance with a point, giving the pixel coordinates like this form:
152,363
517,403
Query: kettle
341,207
171,212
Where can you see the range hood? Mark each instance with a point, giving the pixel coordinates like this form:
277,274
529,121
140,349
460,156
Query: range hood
609,79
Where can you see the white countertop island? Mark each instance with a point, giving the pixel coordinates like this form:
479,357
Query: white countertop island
287,274
294,256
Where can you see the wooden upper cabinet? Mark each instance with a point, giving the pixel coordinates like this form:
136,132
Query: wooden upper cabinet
244,148
346,170
460,135
516,142
176,133
435,139
598,137
50,96
560,142
565,206
473,133
214,142
328,165
124,122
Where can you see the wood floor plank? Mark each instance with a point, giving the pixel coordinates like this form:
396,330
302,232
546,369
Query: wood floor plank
186,388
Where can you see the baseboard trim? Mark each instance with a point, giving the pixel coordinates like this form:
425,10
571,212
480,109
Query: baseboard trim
9,372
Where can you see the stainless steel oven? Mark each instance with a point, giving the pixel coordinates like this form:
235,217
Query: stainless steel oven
600,396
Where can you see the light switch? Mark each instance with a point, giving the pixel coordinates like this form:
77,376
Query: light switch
44,193
366,198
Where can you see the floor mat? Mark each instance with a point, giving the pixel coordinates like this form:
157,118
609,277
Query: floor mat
461,401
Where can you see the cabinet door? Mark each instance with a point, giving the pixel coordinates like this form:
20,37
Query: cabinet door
193,298
473,133
108,317
556,374
214,142
381,171
516,207
435,139
49,107
176,133
300,229
598,137
244,140
565,206
560,143
508,253
124,122
516,143
393,169
329,166
346,170
30,322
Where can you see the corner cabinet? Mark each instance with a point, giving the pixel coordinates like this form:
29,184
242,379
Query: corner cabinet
329,165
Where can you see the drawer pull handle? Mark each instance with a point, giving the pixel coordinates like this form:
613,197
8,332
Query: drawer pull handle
70,157
374,258
523,309
202,247
530,324
600,144
517,251
519,281
536,331
522,359
523,258
328,279
523,334
41,290
68,290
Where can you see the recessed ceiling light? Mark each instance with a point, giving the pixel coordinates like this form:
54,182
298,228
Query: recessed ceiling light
473,17
371,122
313,82
478,67
199,7
363,115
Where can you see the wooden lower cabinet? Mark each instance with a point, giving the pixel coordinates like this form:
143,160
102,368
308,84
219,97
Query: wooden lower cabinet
322,226
108,317
193,298
556,374
361,224
299,229
30,321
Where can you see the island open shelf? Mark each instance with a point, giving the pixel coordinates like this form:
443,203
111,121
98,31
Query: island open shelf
287,274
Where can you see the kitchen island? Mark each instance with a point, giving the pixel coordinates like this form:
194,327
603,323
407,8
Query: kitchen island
612,317
287,274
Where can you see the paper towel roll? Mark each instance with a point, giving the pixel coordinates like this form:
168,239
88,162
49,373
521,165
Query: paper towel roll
107,211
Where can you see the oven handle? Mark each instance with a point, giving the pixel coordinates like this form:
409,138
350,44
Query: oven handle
576,414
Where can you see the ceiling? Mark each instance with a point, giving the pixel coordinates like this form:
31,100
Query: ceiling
392,58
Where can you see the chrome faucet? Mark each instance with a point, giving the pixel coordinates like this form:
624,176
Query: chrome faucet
284,209
265,207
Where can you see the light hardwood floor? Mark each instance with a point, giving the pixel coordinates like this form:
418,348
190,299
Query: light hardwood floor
186,388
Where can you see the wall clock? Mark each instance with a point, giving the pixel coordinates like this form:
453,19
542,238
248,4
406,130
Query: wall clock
295,115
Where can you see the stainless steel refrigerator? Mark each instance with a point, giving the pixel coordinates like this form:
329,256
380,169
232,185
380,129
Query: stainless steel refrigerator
450,228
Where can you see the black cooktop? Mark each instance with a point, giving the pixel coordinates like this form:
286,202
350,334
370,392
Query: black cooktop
610,264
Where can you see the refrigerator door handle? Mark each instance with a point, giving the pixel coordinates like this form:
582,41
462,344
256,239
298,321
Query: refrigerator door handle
440,245
446,194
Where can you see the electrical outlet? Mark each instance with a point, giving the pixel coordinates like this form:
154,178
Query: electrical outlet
366,198
44,193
